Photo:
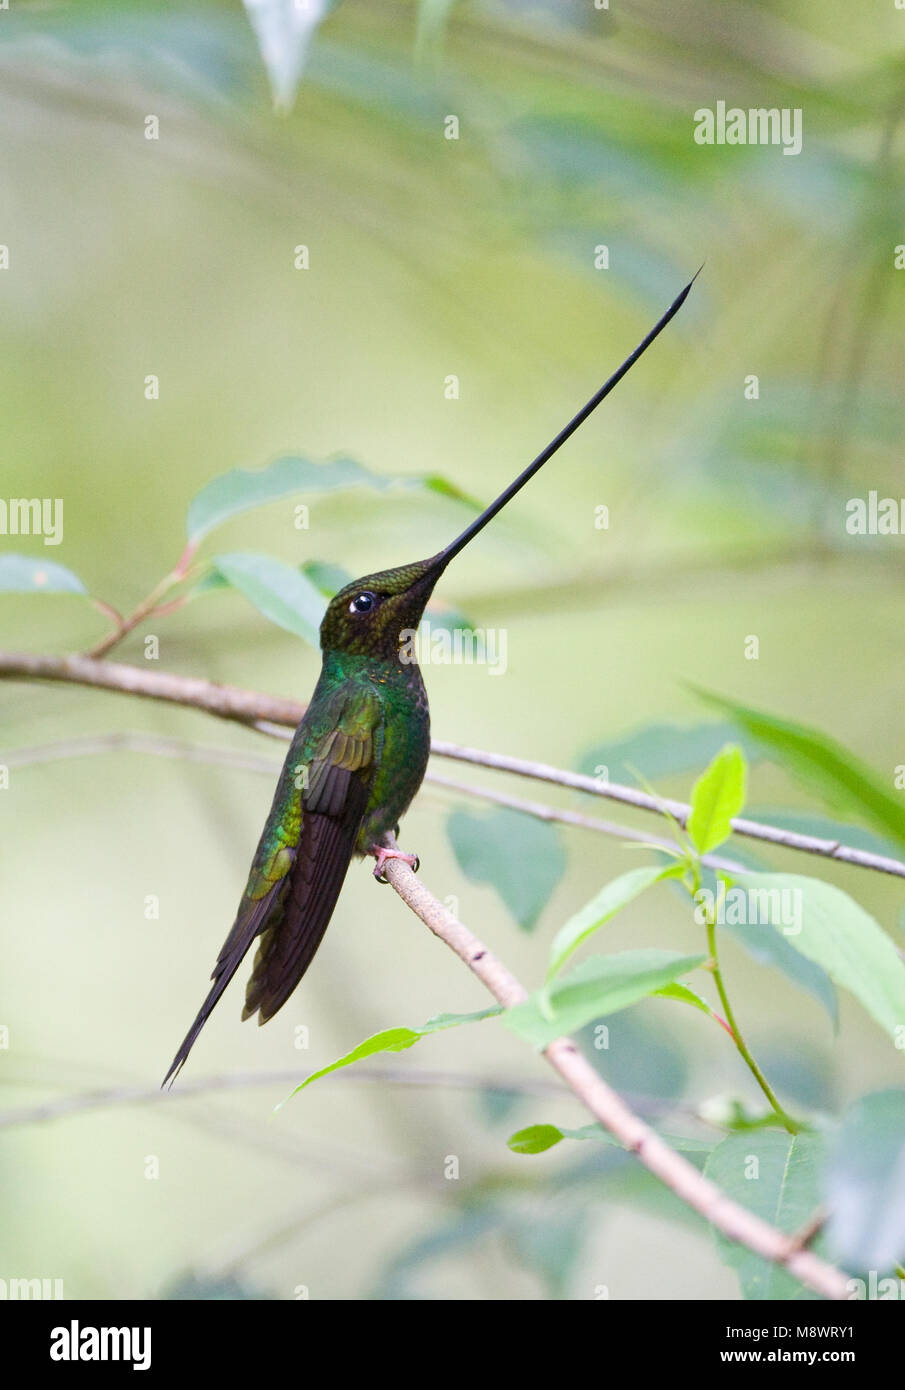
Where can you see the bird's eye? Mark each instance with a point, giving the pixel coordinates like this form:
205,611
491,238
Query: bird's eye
362,604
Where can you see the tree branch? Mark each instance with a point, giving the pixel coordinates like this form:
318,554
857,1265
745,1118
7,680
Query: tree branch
541,811
255,709
225,701
689,1185
610,1110
662,805
158,745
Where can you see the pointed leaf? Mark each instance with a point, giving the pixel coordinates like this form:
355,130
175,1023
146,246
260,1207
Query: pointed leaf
827,926
536,1139
685,996
397,1040
245,488
718,795
599,986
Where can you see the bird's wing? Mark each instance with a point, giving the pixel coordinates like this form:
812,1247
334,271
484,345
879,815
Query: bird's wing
303,855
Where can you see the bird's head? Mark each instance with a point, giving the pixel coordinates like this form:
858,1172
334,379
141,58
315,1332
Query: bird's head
374,615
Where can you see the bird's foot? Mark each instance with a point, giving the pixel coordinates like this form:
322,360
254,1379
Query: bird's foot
382,854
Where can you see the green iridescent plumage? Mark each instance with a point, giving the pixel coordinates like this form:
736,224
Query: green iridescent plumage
354,764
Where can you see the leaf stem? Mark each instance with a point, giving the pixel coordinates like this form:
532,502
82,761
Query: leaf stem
730,1024
149,606
745,1052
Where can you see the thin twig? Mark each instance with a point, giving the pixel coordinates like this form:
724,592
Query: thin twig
159,745
254,708
682,1177
735,1033
541,811
225,701
662,805
150,606
133,741
110,1097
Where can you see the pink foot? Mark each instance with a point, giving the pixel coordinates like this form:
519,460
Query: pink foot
382,855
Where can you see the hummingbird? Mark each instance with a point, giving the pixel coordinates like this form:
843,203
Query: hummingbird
355,762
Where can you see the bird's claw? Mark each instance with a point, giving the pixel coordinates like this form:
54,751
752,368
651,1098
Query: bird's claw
382,855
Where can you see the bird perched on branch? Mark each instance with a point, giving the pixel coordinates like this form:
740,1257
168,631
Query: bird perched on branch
355,762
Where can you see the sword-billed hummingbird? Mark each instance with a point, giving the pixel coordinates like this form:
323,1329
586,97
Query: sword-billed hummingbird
354,765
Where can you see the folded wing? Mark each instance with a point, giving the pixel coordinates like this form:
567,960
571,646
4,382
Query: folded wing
302,858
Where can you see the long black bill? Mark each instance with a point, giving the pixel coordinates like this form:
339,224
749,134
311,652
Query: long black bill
480,522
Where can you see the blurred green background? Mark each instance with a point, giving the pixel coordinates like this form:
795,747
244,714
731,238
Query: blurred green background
428,258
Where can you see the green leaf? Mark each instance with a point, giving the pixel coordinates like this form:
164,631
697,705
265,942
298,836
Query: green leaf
283,594
536,1139
244,488
20,574
600,909
685,996
776,1176
827,926
519,856
865,1184
397,1040
601,985
718,795
843,780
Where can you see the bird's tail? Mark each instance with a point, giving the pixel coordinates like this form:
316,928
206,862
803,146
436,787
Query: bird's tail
290,920
246,927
